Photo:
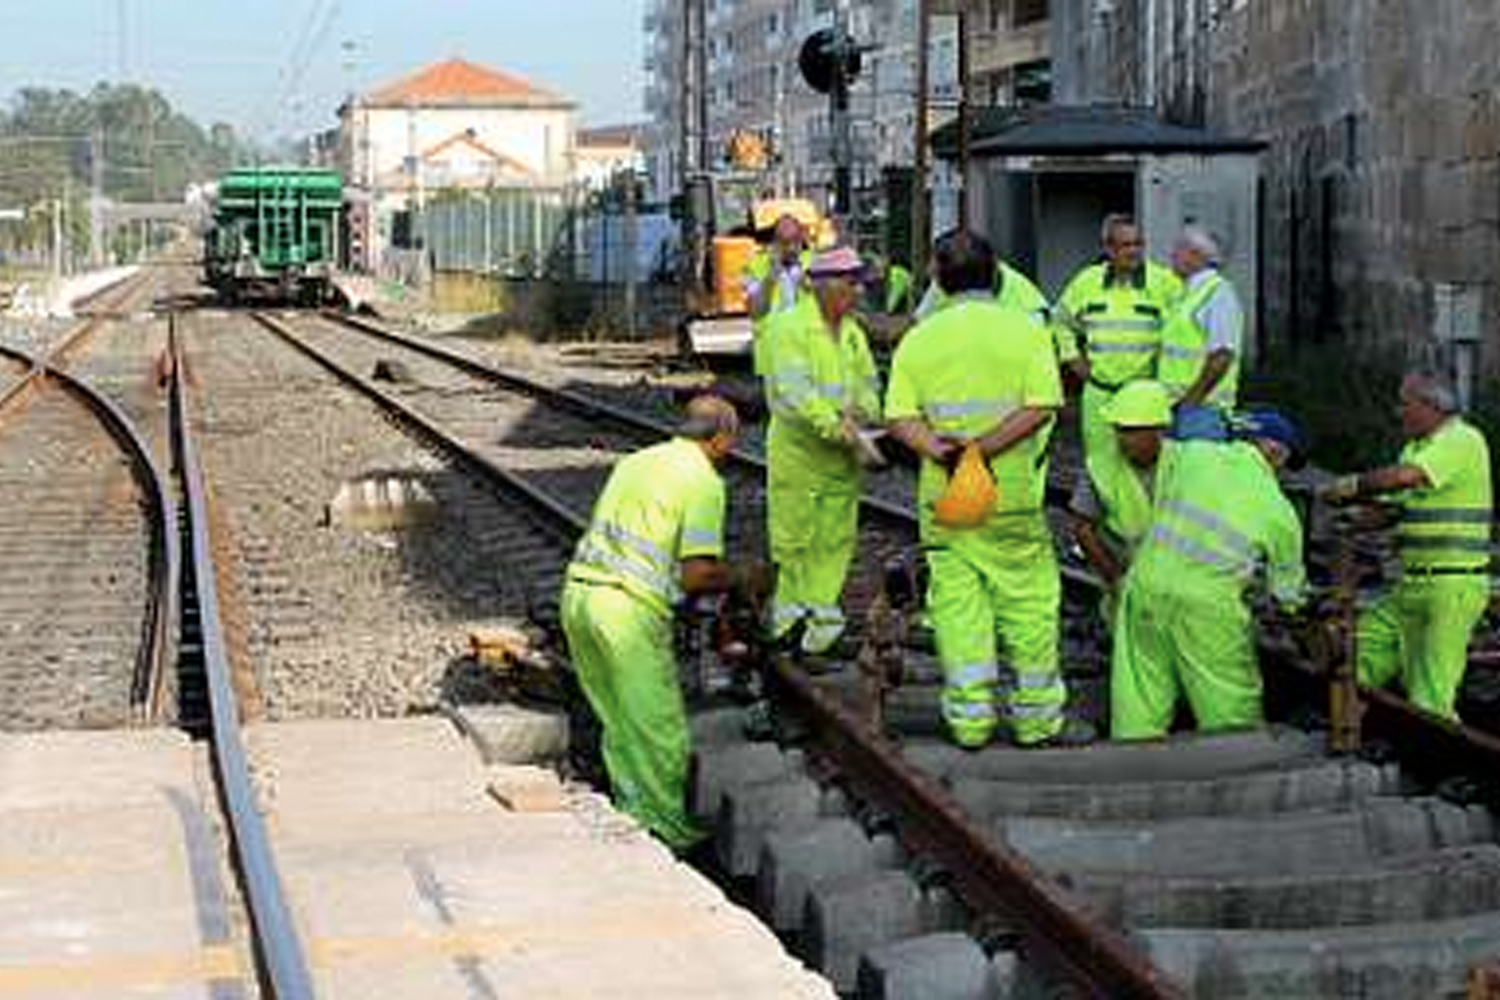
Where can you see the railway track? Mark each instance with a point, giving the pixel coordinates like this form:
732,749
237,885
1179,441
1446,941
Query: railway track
1231,866
87,589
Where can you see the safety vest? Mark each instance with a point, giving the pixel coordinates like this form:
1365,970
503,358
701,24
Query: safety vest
1448,527
1184,346
963,370
1221,520
661,505
760,269
1120,321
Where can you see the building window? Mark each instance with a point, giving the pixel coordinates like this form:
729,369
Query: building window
1024,12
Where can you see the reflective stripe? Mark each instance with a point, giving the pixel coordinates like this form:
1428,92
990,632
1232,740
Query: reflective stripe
968,408
784,613
1198,553
1445,515
1442,542
1234,539
1037,680
590,556
702,538
1113,348
971,673
1120,323
643,546
968,710
826,613
1049,710
1181,353
799,386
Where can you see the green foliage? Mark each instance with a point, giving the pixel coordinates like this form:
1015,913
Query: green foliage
1343,395
150,151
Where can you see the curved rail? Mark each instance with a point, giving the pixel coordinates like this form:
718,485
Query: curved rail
283,959
158,628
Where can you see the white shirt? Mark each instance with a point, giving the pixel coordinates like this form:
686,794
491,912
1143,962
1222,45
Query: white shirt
1221,317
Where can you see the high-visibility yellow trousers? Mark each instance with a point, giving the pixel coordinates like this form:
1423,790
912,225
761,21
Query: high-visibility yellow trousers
813,527
1180,641
994,590
1419,633
622,652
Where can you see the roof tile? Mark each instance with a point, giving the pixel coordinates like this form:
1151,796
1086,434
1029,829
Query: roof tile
460,83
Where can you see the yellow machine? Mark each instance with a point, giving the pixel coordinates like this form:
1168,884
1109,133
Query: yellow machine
719,320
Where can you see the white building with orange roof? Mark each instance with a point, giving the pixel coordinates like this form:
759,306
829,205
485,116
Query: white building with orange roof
453,125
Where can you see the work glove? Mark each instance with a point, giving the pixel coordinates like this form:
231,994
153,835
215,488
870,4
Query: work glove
1344,489
753,581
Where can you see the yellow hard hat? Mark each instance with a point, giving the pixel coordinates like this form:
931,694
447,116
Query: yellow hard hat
1142,403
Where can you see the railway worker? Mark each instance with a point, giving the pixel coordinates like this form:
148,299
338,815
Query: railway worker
1202,340
1220,522
1010,288
888,286
656,535
978,372
1419,631
822,389
1111,518
775,281
1116,308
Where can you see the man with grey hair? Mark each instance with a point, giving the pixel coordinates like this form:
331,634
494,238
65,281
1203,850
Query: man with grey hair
1419,631
1202,340
1107,330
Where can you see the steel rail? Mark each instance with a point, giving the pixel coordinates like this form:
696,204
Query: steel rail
282,958
581,404
158,644
996,882
991,878
557,516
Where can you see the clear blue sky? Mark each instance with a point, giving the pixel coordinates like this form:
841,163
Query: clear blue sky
236,60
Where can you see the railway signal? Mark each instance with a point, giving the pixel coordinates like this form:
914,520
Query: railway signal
830,62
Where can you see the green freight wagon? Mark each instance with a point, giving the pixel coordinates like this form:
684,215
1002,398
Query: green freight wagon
276,235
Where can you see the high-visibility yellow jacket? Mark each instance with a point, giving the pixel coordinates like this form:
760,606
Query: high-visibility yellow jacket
661,505
1447,525
963,370
785,292
1187,340
1220,524
1119,320
813,380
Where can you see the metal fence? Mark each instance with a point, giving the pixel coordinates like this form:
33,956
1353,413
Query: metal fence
501,231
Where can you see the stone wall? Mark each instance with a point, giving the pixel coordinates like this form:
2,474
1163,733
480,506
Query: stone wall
1382,179
1383,175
